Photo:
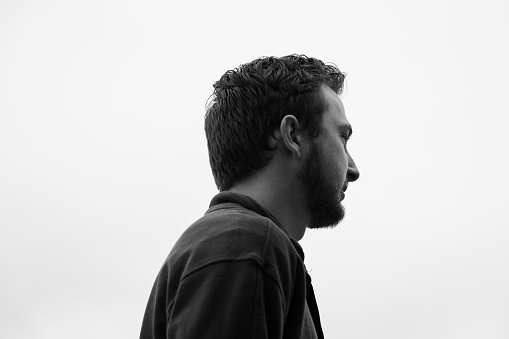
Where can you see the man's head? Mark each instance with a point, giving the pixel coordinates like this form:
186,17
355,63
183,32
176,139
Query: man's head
289,108
248,104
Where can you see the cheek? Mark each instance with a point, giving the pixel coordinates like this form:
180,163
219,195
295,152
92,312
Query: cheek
338,159
340,166
335,168
333,160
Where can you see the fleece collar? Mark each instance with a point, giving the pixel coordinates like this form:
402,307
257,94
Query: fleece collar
252,205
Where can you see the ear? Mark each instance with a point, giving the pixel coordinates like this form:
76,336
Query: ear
291,135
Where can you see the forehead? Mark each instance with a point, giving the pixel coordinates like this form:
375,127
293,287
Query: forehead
334,114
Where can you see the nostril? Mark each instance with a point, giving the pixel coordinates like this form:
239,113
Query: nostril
353,175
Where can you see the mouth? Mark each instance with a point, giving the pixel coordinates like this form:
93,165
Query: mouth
343,190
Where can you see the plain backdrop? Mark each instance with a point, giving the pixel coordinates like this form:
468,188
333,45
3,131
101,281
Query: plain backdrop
103,158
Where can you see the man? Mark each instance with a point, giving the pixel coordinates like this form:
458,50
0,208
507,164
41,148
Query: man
276,134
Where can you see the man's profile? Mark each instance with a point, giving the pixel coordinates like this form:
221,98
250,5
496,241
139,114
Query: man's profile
277,139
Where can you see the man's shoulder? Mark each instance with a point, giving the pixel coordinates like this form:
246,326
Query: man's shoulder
230,232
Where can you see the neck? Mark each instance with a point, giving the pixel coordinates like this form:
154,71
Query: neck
281,198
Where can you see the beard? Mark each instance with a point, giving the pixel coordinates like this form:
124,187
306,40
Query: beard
322,190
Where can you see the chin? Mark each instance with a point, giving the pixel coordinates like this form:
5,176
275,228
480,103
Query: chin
328,218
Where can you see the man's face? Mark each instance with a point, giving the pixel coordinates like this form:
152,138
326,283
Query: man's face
329,167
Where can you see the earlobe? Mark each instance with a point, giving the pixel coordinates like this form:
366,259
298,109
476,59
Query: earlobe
289,132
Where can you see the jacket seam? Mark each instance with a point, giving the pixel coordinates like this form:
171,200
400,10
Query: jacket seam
234,259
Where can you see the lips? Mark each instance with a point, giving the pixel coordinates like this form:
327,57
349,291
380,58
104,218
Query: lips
343,190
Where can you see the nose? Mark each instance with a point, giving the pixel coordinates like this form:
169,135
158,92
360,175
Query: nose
352,173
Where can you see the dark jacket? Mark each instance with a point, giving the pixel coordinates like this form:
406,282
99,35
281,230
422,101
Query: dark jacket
234,273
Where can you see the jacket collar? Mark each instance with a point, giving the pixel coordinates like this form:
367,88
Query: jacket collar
252,205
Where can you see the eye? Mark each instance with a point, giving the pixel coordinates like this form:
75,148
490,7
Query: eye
345,138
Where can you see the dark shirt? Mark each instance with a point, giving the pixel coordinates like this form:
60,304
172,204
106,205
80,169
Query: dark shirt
234,273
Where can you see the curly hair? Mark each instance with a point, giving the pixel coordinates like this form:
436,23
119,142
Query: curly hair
248,104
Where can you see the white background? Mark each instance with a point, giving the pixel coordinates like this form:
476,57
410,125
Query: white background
103,159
